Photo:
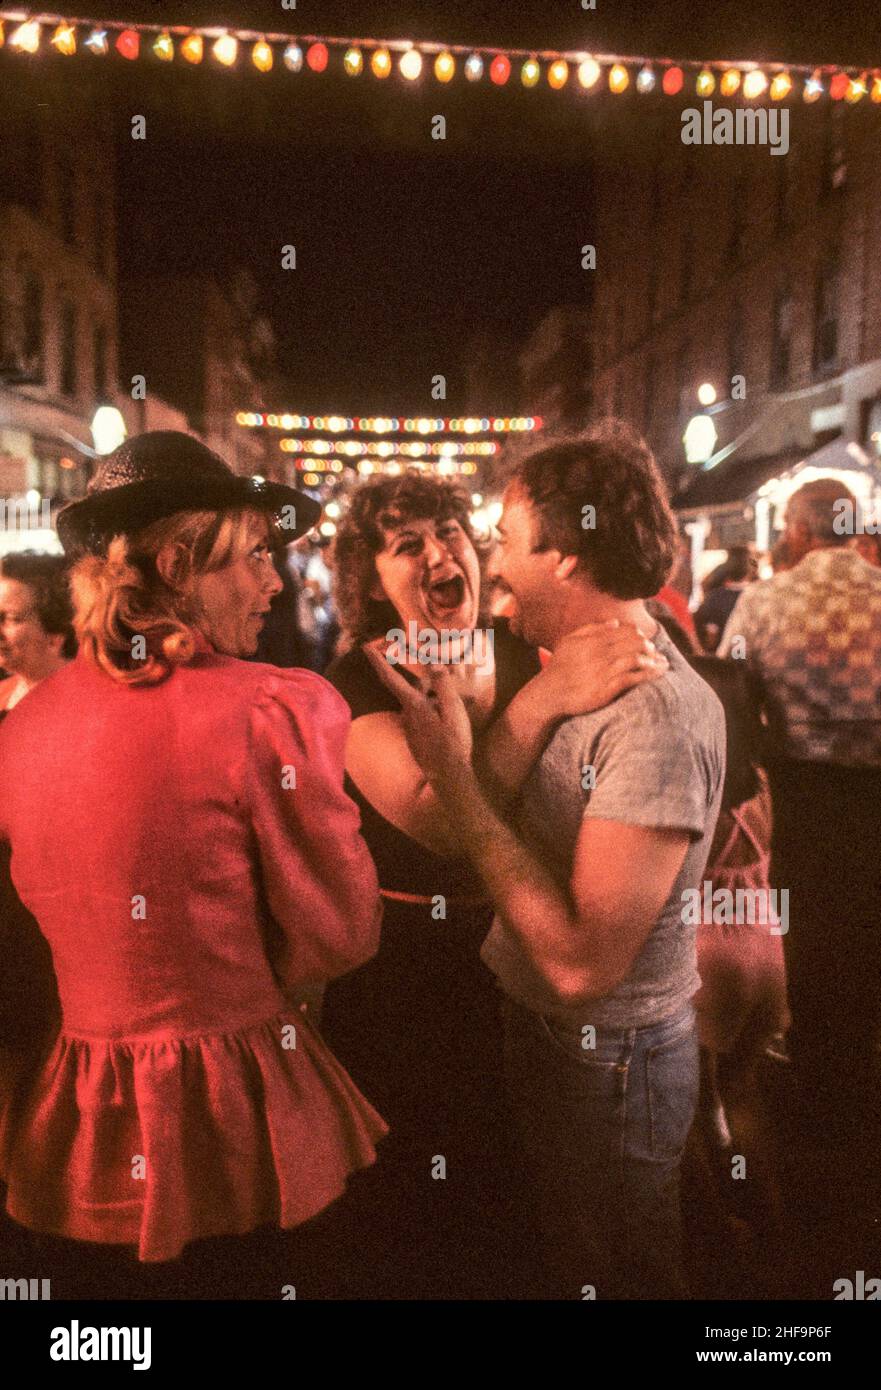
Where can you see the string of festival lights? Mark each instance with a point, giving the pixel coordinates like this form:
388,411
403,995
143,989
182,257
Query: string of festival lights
29,34
390,424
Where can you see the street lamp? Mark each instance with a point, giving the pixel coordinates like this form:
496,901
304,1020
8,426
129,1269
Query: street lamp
699,439
108,429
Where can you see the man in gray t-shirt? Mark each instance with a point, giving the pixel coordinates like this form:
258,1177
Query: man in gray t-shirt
654,757
587,861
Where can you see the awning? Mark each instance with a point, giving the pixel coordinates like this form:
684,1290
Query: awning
739,480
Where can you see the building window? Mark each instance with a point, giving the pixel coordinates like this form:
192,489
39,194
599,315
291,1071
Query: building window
833,170
783,213
826,314
32,326
736,352
649,393
738,221
781,339
872,426
68,349
686,276
102,235
683,384
655,213
67,201
100,360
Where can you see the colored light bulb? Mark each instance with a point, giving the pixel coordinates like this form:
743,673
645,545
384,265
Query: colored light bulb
26,38
226,50
411,64
474,67
261,56
754,84
558,74
500,69
530,72
317,56
192,48
64,39
619,78
589,73
128,44
97,42
781,86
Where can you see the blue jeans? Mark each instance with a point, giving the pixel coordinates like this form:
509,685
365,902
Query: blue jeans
602,1132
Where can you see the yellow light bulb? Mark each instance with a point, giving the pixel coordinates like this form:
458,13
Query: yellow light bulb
64,39
530,73
588,73
856,90
875,93
706,83
261,56
192,48
381,62
730,82
353,62
411,64
164,48
754,83
26,37
619,78
444,67
558,74
226,50
781,86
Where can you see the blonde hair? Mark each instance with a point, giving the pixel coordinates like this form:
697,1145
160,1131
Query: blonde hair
121,596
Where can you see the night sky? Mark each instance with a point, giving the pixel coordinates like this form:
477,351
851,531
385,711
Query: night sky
405,245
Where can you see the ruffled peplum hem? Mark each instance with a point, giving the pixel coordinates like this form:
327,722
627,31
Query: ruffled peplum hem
156,1143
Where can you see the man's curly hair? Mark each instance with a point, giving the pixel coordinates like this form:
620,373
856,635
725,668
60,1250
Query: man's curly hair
630,548
378,505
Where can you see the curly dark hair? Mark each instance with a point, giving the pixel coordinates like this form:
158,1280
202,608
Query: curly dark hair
629,549
47,578
377,505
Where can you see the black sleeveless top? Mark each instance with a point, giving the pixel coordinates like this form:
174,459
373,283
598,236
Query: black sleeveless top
403,865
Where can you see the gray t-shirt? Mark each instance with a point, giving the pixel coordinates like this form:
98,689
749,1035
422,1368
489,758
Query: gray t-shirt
658,759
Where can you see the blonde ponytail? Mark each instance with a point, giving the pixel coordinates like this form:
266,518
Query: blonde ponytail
129,621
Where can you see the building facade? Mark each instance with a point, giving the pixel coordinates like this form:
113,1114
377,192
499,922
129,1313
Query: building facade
754,273
58,326
201,344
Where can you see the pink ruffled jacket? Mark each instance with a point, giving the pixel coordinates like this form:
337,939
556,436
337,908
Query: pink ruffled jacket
190,855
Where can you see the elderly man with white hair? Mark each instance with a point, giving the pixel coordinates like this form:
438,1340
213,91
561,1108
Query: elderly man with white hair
811,640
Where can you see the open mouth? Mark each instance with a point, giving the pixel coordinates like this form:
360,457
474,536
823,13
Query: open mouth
446,595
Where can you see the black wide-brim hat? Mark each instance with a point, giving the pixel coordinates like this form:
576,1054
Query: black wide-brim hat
162,472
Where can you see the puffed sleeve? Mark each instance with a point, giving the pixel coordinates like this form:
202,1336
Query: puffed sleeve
319,879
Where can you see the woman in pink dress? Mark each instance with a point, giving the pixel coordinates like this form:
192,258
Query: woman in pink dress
180,832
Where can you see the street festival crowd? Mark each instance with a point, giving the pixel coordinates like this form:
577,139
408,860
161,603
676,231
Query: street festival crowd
466,969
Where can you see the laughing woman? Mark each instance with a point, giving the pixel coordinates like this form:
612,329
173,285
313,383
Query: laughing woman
418,1025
